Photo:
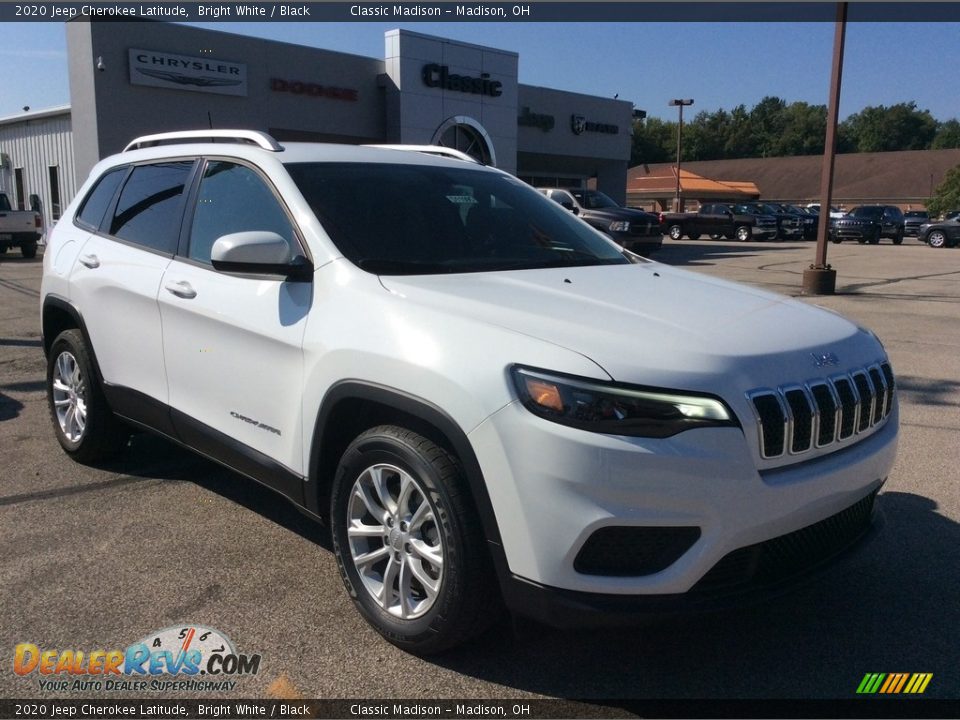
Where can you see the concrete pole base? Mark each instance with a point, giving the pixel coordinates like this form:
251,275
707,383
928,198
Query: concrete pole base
819,281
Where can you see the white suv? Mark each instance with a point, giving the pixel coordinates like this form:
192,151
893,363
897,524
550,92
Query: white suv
486,399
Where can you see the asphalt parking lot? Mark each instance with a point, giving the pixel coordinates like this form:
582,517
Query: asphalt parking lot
97,557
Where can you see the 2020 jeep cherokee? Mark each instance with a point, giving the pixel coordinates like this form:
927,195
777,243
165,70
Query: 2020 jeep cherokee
486,399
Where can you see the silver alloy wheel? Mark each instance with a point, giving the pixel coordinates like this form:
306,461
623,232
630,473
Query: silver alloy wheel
395,541
675,232
743,233
70,397
937,239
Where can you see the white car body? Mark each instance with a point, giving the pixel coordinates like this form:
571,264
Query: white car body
258,359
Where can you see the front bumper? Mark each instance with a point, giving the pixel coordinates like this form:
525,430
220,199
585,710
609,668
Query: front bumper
570,609
639,243
854,232
552,487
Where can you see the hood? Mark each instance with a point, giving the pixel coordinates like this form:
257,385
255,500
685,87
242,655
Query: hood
652,324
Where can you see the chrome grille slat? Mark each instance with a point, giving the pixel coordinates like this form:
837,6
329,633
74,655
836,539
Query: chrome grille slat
795,419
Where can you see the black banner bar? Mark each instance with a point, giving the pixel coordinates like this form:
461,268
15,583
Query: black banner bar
366,11
254,709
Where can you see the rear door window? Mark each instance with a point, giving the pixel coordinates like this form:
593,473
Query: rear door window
150,207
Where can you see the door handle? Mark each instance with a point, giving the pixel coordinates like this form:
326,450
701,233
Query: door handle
181,289
91,261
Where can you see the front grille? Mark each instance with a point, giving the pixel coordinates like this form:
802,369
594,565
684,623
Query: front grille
649,228
799,418
633,551
787,555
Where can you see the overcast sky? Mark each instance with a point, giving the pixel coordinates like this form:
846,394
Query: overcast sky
720,65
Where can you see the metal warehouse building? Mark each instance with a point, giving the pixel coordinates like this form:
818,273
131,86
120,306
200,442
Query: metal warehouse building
137,78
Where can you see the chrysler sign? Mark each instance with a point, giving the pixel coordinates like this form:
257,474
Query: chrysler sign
185,72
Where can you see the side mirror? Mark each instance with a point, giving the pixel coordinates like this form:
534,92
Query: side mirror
258,252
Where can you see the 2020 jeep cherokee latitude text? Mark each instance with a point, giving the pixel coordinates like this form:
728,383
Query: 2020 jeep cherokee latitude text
483,396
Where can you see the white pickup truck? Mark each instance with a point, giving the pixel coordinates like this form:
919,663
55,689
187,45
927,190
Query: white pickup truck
19,228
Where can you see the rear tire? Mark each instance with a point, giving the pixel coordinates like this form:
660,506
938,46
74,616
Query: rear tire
693,236
29,250
675,232
409,546
898,238
743,233
83,422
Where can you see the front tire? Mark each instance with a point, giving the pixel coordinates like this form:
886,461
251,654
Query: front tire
408,544
898,238
83,422
937,239
744,233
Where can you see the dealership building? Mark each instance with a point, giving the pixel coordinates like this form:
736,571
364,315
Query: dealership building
129,79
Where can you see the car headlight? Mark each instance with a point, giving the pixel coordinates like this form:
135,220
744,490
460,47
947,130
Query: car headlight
616,409
619,226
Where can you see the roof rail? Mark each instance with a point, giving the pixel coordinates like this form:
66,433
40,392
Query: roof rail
432,150
254,137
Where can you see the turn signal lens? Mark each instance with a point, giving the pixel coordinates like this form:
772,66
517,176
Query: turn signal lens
544,394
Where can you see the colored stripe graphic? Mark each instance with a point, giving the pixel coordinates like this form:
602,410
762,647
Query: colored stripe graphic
894,683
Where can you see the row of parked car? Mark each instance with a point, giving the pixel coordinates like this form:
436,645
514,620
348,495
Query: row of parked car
642,232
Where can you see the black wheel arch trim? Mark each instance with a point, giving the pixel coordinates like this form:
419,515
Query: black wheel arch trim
429,413
61,303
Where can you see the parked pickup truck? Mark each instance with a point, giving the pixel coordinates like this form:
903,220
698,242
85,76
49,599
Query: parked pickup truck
635,230
19,228
728,220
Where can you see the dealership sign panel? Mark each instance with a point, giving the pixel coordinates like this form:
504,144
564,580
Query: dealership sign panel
184,72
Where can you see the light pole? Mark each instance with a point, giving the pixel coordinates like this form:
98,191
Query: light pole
679,103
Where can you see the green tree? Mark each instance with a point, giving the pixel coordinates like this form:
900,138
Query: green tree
948,136
654,140
707,136
805,127
741,142
882,129
767,121
946,196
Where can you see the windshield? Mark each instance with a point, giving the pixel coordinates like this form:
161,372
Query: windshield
593,199
422,219
869,212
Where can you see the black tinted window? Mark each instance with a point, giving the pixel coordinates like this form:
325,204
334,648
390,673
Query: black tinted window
421,219
98,199
233,198
149,209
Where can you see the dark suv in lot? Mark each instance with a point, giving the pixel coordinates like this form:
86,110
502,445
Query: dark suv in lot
912,220
867,224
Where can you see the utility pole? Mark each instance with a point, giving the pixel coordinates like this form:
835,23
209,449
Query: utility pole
820,278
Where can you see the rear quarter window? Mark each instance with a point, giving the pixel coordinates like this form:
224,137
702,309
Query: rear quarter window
99,198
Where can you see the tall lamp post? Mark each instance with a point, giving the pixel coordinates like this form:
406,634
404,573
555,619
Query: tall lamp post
679,103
